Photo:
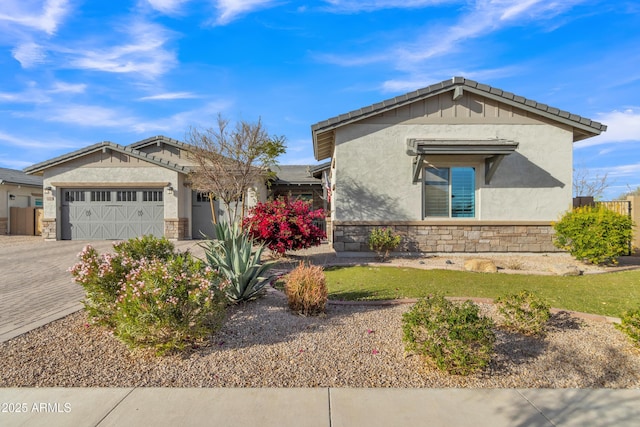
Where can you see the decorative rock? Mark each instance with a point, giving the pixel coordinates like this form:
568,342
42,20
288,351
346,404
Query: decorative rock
480,265
565,270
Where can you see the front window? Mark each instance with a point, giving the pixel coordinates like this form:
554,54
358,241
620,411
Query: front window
449,192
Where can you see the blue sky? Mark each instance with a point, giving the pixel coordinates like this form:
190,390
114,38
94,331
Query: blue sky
76,72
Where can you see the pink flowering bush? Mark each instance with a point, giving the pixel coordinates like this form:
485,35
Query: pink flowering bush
167,304
284,225
149,294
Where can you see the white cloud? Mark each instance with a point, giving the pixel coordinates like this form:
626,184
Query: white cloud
479,19
86,116
166,6
29,54
24,142
40,15
371,5
622,126
144,52
62,87
169,96
228,10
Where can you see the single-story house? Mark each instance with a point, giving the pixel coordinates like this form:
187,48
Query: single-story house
458,166
18,190
110,191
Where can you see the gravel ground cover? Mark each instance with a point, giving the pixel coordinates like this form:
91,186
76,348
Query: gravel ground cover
263,344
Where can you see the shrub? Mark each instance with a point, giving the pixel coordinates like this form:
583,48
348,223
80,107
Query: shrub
102,276
148,294
145,247
455,337
233,257
306,290
524,312
167,304
284,225
383,240
594,234
630,324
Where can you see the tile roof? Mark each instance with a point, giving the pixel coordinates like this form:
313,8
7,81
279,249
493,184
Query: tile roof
294,174
39,167
583,123
12,176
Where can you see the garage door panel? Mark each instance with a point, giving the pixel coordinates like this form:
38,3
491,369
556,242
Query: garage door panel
98,214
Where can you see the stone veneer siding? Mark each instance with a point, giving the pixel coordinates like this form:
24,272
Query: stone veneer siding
176,228
416,237
3,226
49,228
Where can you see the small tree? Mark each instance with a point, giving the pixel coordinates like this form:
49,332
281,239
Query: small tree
586,184
231,160
284,225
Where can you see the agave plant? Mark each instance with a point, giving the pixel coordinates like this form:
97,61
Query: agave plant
232,254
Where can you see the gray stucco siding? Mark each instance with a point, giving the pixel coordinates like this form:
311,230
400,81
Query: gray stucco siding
374,173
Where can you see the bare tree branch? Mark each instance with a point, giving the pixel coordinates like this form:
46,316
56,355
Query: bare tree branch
230,161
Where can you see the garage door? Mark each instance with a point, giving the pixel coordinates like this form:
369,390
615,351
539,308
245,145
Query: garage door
101,214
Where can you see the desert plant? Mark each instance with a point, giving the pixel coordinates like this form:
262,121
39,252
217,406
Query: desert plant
523,312
231,254
306,290
594,234
166,304
283,225
383,240
454,337
630,324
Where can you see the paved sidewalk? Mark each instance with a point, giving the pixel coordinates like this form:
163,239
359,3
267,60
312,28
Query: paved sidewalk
35,286
318,407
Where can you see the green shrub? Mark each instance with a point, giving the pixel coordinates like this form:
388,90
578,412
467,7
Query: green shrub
630,325
166,304
306,290
455,337
383,240
145,247
594,234
233,257
524,312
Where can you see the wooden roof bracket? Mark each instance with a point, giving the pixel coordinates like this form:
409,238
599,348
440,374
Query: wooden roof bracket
490,166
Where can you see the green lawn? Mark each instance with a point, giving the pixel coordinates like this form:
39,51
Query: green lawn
608,294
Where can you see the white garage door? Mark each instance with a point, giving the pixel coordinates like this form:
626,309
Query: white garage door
111,213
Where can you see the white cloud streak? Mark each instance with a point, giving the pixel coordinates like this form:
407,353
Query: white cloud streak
45,16
144,53
169,96
29,143
168,7
354,6
622,126
29,54
229,10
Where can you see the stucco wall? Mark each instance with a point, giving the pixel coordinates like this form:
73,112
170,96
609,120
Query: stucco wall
373,175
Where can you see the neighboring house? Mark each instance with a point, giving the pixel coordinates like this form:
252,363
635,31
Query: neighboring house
110,191
17,190
458,166
301,182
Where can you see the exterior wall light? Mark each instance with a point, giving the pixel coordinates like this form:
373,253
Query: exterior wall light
170,189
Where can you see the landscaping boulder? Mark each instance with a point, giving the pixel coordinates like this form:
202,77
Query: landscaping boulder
480,265
565,270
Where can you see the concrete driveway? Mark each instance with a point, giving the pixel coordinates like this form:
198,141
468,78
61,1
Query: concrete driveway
35,286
